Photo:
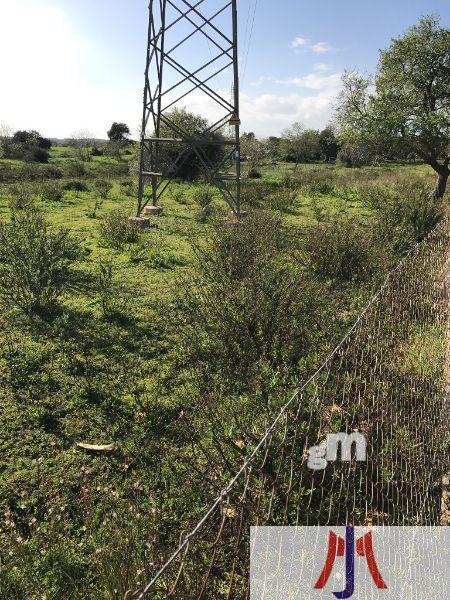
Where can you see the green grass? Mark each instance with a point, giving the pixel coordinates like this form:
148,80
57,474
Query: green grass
81,377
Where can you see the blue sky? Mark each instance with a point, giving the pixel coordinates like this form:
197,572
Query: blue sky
70,65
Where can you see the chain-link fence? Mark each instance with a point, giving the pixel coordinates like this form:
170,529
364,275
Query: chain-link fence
385,381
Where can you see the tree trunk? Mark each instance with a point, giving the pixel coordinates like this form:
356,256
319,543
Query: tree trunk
441,184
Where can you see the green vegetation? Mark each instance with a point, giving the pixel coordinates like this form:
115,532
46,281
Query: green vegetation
160,339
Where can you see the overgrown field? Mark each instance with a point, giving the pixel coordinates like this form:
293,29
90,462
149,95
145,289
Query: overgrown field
164,343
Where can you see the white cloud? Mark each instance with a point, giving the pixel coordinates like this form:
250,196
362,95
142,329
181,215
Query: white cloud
317,47
299,41
321,67
321,48
316,80
269,113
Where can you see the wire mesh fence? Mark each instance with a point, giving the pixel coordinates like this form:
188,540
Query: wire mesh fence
386,382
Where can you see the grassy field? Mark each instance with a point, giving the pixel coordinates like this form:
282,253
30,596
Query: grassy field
110,366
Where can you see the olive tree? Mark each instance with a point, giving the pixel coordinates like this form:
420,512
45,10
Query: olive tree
406,108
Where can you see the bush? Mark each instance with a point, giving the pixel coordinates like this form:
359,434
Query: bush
255,194
317,181
21,196
179,193
31,172
283,200
128,187
249,316
39,155
52,172
356,154
254,174
404,214
203,195
52,191
159,255
75,186
290,182
111,294
116,231
103,188
93,208
35,262
7,173
96,151
342,250
75,168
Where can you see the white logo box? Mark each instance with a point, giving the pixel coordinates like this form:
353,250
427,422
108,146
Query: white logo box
286,562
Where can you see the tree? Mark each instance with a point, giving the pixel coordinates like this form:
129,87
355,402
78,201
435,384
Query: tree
409,110
273,147
82,141
26,145
32,137
119,132
299,144
188,165
6,133
253,151
328,144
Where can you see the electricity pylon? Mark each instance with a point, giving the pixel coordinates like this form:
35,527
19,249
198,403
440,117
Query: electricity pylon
179,69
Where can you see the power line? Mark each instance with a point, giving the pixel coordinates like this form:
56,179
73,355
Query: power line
244,69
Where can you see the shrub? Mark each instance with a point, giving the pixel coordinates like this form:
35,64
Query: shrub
128,187
356,154
254,174
404,214
203,195
75,168
75,186
255,194
160,256
290,181
92,211
39,155
342,250
110,293
253,320
96,151
103,188
283,200
179,193
7,173
21,196
317,181
52,191
30,172
116,231
35,262
52,172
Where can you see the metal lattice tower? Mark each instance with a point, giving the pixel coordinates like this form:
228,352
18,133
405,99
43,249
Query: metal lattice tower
192,58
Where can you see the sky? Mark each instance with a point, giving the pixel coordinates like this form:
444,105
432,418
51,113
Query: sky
78,65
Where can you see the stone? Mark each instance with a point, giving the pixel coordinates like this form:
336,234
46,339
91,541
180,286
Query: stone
140,222
153,210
